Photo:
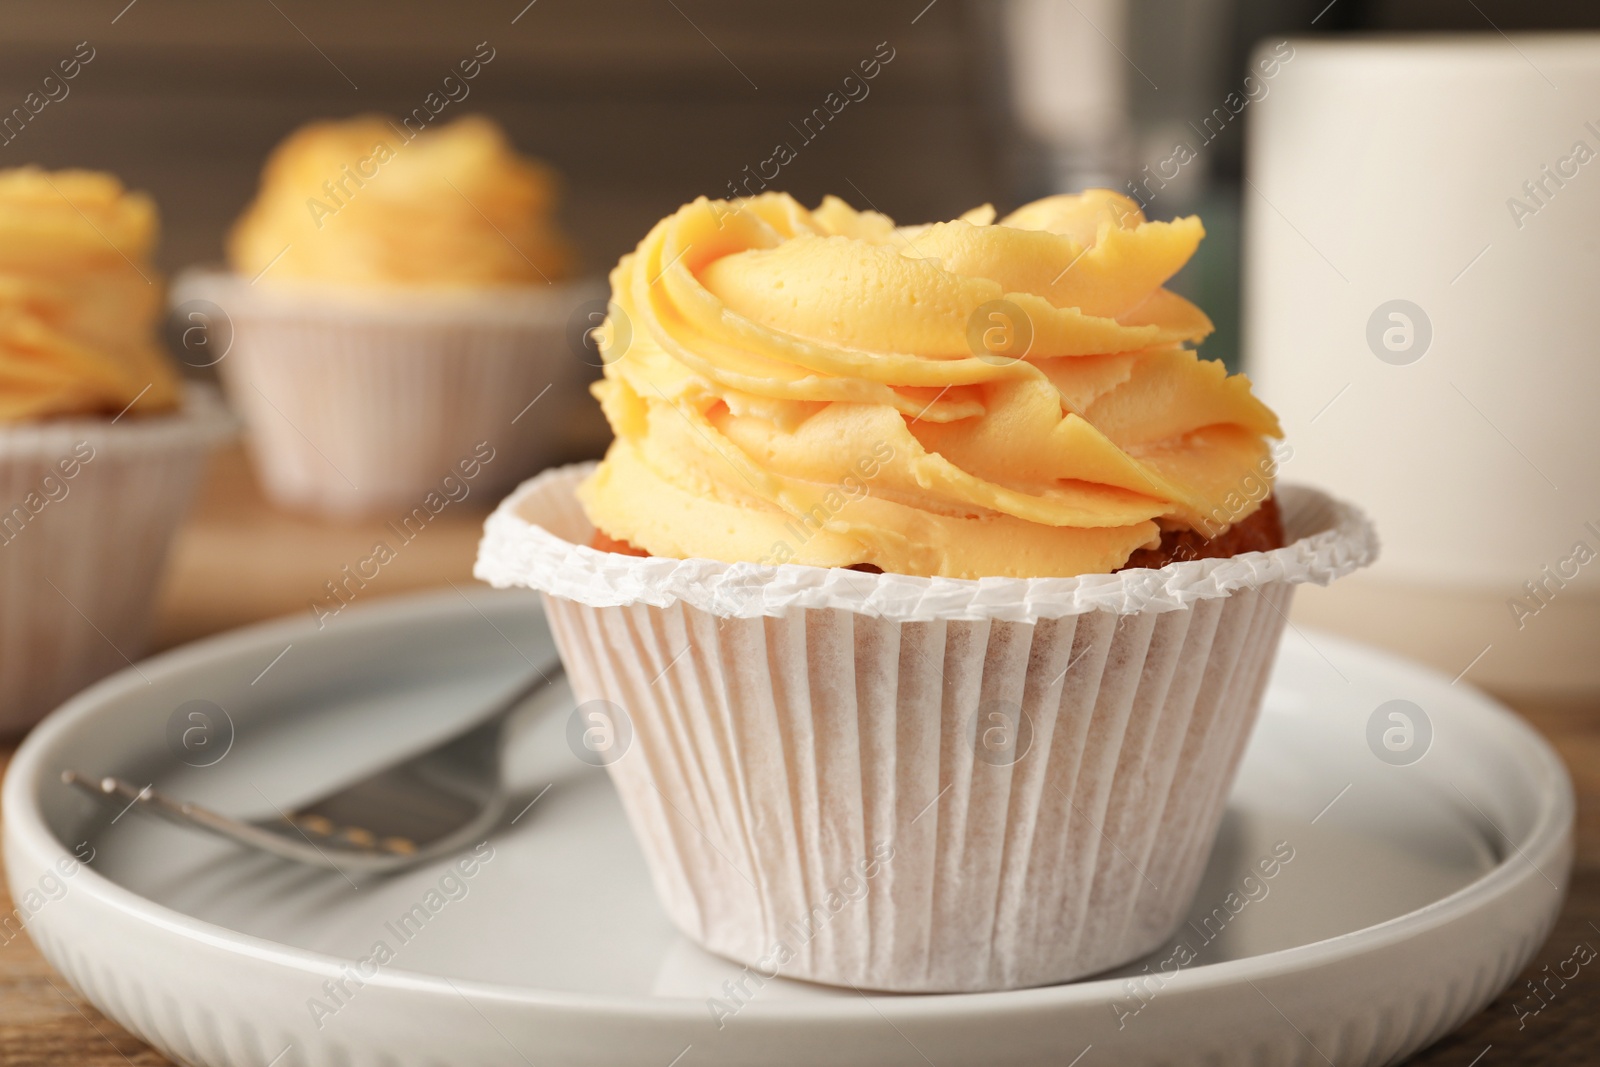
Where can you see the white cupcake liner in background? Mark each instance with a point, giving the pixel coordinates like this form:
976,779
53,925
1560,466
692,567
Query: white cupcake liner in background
362,402
788,721
78,579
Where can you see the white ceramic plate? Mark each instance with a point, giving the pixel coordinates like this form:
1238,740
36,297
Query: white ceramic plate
1413,893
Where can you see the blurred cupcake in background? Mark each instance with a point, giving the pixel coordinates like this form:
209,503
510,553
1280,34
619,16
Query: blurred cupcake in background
397,301
101,444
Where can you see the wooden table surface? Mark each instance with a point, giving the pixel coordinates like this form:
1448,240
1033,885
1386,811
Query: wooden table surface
238,561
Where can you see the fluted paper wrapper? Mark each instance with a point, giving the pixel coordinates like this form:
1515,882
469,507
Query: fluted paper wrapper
362,402
920,784
81,555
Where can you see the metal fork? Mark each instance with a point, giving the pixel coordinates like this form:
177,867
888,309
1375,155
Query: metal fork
424,806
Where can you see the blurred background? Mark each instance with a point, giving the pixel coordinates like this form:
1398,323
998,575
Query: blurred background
644,105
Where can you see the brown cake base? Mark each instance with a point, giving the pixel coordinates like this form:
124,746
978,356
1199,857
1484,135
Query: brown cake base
1261,532
606,543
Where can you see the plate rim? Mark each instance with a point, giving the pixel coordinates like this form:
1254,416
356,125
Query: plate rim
24,828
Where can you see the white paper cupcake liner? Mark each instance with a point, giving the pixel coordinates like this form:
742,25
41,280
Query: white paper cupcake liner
827,773
362,403
81,556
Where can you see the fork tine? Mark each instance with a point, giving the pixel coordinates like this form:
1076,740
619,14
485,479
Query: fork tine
443,796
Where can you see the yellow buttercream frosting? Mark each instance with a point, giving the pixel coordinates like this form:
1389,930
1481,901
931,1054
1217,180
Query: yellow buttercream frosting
79,298
370,202
967,398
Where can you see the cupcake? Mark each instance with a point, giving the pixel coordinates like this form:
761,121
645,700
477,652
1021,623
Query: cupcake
934,579
399,300
101,445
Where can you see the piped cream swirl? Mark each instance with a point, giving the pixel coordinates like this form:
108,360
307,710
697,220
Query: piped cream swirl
966,398
80,300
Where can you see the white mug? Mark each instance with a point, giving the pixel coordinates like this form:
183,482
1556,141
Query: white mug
1422,253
